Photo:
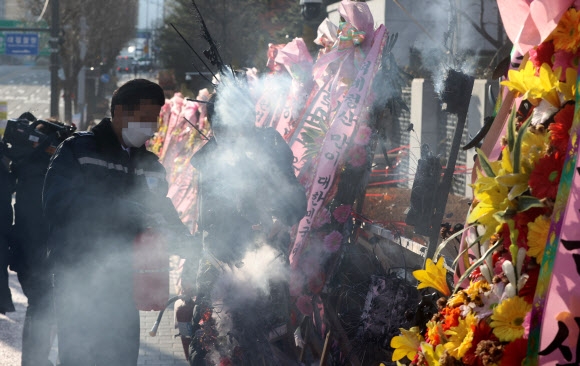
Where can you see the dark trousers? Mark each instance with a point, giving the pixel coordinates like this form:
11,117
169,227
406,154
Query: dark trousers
98,323
37,334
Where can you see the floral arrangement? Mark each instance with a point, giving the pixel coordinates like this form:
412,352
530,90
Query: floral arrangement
485,319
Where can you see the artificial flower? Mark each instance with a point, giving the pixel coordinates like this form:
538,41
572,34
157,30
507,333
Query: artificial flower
357,156
460,337
524,81
491,198
542,112
477,288
450,318
568,87
548,86
565,60
434,333
537,237
542,54
545,177
508,317
406,344
432,355
458,298
560,128
482,331
342,213
363,135
434,276
332,241
566,36
534,146
514,352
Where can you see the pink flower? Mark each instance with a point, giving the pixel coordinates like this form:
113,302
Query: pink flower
332,241
342,213
323,217
526,324
357,156
304,304
565,60
363,135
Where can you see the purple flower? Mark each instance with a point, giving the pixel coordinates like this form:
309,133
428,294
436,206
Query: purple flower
332,241
363,135
341,213
357,156
323,217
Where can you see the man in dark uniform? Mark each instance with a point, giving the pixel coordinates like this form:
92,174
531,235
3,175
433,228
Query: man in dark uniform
102,189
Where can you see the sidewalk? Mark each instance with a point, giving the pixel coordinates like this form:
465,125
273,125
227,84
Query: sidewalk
162,350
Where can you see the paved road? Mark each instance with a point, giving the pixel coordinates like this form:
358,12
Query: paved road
162,350
26,88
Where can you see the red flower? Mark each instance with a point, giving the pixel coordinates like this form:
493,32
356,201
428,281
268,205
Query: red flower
542,54
514,353
545,177
560,129
481,332
521,220
342,213
528,291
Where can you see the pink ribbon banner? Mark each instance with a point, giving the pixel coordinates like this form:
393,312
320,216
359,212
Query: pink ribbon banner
335,141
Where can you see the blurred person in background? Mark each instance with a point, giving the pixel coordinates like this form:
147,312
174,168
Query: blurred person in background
103,189
30,236
6,218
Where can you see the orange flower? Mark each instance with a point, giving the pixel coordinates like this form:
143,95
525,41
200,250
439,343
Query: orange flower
451,317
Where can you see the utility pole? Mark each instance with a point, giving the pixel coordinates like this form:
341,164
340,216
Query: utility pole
54,64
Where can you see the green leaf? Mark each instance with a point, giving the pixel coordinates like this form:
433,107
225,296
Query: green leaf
485,164
527,202
511,129
518,146
441,246
464,251
476,264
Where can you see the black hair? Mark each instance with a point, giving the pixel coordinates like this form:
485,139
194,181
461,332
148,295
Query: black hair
134,91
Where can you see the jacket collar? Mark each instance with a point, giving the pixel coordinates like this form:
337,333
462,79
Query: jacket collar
107,140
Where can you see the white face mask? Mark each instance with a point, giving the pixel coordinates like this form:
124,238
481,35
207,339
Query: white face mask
136,133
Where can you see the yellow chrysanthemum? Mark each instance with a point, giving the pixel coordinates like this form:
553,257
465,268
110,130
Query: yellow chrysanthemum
434,276
508,317
460,337
537,237
406,344
457,299
534,146
477,288
566,36
568,87
432,356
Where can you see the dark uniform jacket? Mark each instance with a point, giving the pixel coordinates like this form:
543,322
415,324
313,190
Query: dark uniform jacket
98,197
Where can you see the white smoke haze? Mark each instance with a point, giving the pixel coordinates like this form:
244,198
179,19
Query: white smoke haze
238,287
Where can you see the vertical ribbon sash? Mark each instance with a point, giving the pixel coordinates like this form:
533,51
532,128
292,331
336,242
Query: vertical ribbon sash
335,141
